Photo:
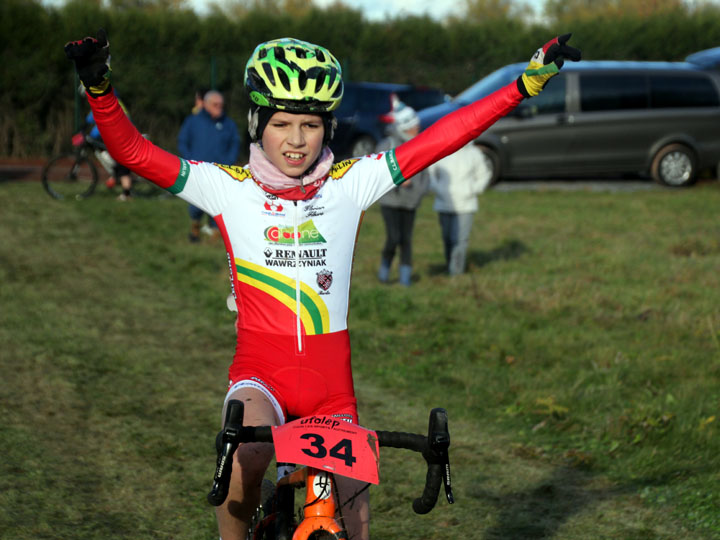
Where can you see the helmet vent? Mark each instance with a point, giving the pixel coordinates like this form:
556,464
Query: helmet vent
284,80
269,73
302,80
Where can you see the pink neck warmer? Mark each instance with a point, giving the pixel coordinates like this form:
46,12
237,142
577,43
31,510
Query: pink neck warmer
269,175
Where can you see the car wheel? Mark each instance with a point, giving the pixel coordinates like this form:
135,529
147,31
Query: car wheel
362,146
674,165
492,160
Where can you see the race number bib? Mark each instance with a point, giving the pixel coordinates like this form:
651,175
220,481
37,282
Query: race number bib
330,444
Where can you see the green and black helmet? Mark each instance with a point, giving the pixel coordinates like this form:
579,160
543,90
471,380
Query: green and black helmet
295,76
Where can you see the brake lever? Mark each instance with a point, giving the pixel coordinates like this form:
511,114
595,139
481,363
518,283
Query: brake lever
447,482
226,443
439,441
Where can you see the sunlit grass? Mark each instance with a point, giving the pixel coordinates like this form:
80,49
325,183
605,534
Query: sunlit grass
578,360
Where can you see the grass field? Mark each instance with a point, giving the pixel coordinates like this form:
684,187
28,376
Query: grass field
579,360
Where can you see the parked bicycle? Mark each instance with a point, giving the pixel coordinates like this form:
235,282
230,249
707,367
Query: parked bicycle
320,518
74,175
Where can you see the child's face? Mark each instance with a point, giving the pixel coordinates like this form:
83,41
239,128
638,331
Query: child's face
293,141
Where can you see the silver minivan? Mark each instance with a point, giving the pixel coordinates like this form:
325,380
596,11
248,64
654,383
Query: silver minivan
658,119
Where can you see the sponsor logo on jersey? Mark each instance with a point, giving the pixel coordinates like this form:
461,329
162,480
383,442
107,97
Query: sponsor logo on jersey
303,258
314,210
339,169
238,173
273,207
307,233
324,280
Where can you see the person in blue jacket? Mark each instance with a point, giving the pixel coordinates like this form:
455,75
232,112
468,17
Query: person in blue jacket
208,135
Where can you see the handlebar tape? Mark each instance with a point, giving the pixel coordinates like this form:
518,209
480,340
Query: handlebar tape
433,479
434,449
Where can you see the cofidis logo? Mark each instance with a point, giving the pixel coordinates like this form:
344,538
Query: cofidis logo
307,233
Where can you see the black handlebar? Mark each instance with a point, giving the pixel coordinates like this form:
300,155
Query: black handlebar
434,448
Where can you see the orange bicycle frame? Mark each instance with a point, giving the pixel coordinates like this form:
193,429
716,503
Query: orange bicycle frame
320,505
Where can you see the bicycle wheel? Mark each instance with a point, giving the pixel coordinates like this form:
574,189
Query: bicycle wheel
69,176
260,527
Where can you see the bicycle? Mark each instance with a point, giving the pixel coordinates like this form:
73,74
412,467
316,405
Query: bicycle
275,518
74,175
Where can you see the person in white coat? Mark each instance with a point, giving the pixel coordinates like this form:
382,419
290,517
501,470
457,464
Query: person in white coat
456,181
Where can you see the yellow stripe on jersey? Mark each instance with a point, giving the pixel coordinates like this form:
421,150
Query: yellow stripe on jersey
313,311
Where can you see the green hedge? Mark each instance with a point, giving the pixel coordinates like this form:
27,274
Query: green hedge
160,56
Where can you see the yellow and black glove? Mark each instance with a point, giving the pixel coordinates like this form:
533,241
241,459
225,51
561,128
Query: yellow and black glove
545,64
92,62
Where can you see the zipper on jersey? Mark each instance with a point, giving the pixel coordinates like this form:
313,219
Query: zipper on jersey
296,236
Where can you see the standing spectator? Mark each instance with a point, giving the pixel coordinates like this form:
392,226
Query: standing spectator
398,206
456,181
199,95
212,136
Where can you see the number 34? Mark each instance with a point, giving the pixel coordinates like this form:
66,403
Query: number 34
342,450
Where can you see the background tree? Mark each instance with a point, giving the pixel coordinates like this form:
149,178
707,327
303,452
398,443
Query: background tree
584,9
479,11
163,51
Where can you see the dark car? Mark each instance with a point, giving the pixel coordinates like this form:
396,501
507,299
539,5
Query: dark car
604,118
363,113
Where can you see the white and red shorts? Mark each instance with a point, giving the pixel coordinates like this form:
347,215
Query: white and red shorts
317,380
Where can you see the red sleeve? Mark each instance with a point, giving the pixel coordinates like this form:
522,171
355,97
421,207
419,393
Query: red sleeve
127,146
455,130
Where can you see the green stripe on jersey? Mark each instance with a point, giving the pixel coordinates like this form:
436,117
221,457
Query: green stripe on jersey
394,167
181,179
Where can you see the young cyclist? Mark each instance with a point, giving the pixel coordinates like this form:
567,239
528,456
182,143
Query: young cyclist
289,220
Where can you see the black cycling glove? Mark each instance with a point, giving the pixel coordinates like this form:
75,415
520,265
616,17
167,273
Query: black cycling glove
92,62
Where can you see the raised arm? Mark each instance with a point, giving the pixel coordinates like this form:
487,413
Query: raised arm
124,142
455,130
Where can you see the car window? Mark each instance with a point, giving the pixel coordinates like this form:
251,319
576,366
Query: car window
487,85
682,91
420,99
374,101
551,100
364,100
347,105
609,92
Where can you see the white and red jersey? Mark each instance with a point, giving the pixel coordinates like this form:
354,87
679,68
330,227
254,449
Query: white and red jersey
291,260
